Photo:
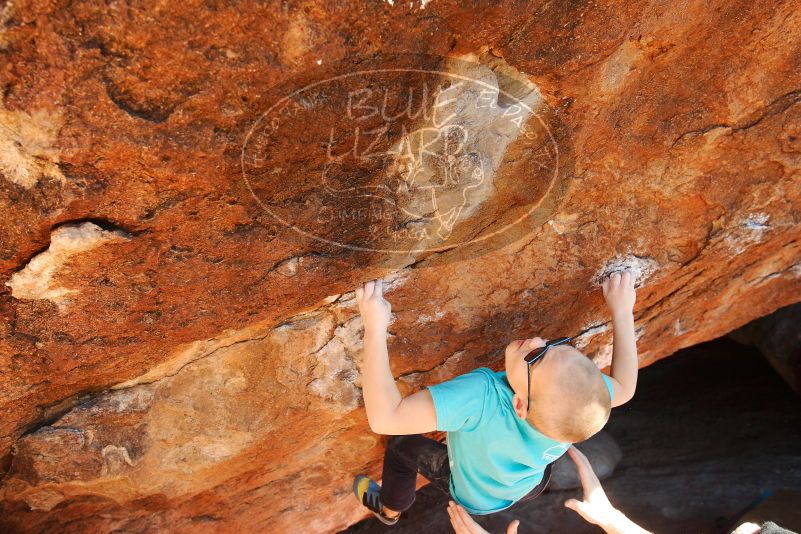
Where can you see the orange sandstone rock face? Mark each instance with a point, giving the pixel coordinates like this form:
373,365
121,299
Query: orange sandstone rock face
177,354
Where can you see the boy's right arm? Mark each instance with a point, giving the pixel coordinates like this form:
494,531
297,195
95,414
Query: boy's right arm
387,411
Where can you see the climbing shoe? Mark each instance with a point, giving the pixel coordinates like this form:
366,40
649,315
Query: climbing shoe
368,492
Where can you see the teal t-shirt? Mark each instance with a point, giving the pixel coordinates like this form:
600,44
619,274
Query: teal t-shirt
496,458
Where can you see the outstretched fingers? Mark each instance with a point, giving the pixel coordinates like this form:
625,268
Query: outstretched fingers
457,522
584,468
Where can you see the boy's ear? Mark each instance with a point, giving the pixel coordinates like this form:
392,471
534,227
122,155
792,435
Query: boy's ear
520,406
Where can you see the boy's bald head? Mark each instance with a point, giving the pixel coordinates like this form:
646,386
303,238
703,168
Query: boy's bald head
569,399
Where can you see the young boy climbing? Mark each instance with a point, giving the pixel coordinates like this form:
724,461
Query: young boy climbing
504,429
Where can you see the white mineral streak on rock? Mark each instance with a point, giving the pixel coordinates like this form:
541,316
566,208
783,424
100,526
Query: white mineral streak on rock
34,281
749,231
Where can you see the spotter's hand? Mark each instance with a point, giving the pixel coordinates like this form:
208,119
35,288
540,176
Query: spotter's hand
595,508
462,523
376,311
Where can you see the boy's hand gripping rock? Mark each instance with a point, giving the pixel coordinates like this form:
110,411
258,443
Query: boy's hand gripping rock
619,292
375,310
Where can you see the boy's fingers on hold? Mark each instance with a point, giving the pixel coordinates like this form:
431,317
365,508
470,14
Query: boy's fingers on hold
359,292
627,280
379,288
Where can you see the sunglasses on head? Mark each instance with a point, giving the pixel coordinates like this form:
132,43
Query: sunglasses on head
535,356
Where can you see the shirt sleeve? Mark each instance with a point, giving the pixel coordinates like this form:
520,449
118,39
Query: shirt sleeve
464,403
609,386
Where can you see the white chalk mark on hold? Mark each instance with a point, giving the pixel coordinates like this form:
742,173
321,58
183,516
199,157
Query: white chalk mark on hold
34,281
678,328
427,318
641,267
319,61
397,279
336,375
588,332
750,231
557,227
603,356
757,222
288,267
639,332
423,3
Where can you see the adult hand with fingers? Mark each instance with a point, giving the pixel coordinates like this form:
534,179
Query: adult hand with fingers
595,507
462,523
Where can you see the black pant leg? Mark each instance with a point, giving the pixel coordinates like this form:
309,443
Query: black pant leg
404,458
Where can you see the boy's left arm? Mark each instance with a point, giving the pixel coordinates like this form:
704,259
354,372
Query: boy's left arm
620,296
387,411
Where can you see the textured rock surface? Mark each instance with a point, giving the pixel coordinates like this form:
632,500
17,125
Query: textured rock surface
170,357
